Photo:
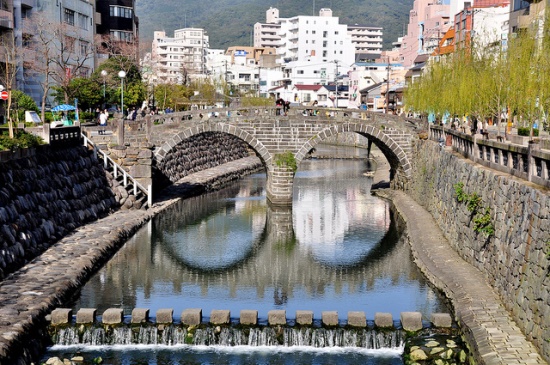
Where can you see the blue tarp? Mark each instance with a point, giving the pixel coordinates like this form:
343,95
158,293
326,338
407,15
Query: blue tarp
63,108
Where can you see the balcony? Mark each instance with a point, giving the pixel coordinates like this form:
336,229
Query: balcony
6,19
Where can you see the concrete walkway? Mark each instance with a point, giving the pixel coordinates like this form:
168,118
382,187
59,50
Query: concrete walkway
485,322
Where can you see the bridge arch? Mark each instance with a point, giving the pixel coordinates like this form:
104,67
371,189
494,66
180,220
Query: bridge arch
389,143
258,147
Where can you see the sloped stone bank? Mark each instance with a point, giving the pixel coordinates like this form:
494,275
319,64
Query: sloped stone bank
46,195
513,259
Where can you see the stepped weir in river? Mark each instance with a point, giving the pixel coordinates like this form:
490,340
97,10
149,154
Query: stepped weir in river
112,328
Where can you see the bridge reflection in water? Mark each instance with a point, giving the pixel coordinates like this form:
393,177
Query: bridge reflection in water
336,249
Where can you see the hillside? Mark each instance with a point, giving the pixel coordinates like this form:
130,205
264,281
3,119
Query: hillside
230,22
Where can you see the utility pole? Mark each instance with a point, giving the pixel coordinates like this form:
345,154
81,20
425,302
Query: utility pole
336,79
388,86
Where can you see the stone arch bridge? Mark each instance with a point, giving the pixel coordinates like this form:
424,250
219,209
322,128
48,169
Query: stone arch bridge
280,141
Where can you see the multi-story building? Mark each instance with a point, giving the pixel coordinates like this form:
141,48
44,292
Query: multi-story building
13,14
71,28
118,25
428,22
180,58
267,34
485,23
304,37
366,39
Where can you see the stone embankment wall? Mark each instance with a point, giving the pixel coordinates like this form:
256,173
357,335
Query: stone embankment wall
44,195
514,258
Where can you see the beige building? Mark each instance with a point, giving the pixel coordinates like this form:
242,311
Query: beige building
180,58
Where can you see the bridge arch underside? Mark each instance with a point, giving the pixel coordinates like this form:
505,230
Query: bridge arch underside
391,149
196,150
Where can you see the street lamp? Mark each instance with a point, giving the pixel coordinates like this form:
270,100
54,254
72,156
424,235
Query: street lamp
122,75
104,73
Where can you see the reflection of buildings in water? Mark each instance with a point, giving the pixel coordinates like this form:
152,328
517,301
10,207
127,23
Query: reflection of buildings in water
325,219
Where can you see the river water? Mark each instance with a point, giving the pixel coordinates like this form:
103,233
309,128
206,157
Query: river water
336,249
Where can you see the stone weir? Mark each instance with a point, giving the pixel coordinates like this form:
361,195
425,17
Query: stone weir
220,329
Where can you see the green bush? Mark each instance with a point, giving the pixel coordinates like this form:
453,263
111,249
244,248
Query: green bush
21,140
524,131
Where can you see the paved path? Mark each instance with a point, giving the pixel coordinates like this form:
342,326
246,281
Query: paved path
478,309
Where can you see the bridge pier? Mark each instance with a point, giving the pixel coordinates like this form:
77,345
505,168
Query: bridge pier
280,180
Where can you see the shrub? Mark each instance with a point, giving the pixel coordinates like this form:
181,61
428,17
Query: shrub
524,131
21,140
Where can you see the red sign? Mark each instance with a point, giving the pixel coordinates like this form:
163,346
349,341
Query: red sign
4,95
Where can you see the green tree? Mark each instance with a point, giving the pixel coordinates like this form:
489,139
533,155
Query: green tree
87,90
21,103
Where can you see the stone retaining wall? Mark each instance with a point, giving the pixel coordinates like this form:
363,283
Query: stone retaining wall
44,195
515,258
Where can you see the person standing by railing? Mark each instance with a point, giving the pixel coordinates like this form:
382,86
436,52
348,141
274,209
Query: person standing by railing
103,117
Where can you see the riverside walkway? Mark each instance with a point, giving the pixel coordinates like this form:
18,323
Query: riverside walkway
31,293
478,309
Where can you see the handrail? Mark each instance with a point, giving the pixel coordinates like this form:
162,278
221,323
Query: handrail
529,162
127,178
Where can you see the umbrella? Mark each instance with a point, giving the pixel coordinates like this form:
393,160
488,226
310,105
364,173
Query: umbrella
62,108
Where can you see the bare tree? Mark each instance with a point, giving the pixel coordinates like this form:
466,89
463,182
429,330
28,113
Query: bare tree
59,54
8,70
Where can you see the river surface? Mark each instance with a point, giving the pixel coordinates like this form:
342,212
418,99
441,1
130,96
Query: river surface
336,249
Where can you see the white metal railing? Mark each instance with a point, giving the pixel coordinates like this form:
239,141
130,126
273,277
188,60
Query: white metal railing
117,170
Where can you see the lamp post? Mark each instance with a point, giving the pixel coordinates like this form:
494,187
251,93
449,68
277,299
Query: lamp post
104,74
122,75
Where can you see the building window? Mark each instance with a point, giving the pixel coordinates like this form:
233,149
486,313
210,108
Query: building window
324,43
300,72
69,44
325,33
69,16
121,35
120,11
84,48
83,21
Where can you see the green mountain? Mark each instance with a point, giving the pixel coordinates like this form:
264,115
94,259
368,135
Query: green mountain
231,22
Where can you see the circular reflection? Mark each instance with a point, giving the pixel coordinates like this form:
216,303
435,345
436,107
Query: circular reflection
341,227
216,242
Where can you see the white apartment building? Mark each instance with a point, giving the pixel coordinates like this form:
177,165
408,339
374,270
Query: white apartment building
366,39
304,37
183,57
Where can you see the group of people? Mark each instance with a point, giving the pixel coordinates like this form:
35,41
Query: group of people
282,105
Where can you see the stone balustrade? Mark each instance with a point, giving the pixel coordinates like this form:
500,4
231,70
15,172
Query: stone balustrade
526,160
